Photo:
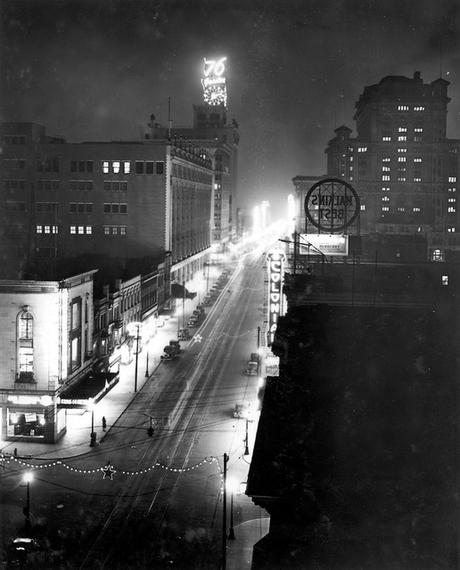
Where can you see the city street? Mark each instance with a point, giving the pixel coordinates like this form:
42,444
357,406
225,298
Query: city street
163,493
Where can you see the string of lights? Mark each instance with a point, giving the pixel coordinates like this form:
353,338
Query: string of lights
107,470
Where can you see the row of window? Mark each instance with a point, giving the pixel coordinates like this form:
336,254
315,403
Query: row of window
82,207
140,167
416,108
121,230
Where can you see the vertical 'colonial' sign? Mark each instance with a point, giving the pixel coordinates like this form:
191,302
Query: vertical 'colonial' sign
275,266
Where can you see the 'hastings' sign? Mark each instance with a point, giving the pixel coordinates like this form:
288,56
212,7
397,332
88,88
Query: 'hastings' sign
275,266
332,205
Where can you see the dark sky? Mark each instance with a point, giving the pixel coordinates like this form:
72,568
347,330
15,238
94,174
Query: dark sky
96,69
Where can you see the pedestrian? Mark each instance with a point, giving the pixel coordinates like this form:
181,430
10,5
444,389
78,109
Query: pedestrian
104,423
15,452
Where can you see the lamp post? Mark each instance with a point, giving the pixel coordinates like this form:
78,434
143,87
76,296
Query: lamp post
147,363
137,357
231,488
28,477
92,436
183,306
224,516
246,439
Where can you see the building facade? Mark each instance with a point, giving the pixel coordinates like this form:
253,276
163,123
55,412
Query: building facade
117,200
402,165
45,346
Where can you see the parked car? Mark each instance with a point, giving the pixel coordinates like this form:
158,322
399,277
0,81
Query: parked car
242,410
24,551
184,334
192,322
251,369
255,357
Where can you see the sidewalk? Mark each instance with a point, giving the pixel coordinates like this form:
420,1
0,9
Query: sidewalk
239,550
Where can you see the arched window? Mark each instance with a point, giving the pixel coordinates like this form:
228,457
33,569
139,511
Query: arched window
25,362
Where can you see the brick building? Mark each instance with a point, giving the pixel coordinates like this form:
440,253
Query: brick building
118,200
403,166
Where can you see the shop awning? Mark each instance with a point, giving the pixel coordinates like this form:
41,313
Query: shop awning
93,386
178,291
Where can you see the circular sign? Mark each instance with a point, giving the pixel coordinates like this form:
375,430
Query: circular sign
332,205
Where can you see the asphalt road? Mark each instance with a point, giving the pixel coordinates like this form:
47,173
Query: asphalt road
163,506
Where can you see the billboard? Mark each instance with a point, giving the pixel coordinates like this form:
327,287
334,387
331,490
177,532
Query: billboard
325,244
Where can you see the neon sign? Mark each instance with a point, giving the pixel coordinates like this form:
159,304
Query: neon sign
275,266
214,82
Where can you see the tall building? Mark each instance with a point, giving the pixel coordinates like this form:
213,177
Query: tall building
119,200
219,139
403,166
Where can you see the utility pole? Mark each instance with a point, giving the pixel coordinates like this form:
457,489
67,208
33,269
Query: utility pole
137,357
224,515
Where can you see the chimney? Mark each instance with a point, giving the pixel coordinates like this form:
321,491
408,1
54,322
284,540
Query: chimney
106,291
417,75
118,284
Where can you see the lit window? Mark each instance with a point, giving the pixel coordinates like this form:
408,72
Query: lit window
386,169
106,230
81,229
39,229
451,209
451,229
25,364
437,255
416,209
385,209
89,229
417,179
419,108
401,159
452,179
452,199
401,209
385,198
54,229
47,229
116,166
386,139
401,178
418,130
403,107
73,229
386,159
402,149
362,149
126,167
105,166
402,130
385,188
363,207
417,159
444,279
385,177
452,189
402,138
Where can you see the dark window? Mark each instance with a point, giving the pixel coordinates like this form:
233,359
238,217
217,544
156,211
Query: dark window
81,208
160,167
88,185
124,186
89,166
81,166
139,167
106,208
73,166
73,207
123,208
106,185
115,208
149,167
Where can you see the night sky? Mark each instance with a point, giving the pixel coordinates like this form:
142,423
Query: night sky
96,70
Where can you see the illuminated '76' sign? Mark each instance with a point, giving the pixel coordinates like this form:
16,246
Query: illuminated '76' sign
214,67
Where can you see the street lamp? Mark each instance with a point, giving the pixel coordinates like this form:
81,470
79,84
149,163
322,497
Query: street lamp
28,477
137,325
147,363
231,485
92,437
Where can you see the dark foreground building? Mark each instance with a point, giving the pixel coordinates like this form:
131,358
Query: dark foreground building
356,451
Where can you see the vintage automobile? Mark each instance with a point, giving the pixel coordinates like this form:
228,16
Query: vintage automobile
251,369
242,410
